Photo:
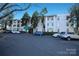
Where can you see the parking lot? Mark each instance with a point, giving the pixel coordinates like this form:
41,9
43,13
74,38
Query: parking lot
30,45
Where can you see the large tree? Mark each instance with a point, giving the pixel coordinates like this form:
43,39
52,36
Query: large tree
25,19
37,16
42,16
74,12
35,19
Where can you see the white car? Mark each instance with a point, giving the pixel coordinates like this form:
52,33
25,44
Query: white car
15,31
56,35
69,35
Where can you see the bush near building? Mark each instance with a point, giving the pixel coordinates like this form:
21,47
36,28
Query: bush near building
48,33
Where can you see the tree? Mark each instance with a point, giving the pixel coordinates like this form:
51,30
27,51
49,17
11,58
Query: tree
74,12
25,19
14,8
42,13
35,19
7,20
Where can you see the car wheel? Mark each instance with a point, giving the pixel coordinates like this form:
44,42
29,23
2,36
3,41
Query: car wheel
68,38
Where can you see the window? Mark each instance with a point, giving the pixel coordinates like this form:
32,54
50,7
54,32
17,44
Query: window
67,24
14,21
14,25
48,18
18,21
67,29
14,29
62,33
58,30
58,18
47,24
52,24
18,25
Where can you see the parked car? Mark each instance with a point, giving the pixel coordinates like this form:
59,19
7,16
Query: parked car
56,35
69,35
15,31
38,33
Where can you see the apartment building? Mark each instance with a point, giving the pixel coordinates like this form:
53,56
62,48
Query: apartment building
16,25
55,23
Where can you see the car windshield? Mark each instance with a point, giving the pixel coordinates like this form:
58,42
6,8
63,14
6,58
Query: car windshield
62,33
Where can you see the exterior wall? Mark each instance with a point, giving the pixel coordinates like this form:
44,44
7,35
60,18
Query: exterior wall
48,21
0,26
55,24
62,22
17,26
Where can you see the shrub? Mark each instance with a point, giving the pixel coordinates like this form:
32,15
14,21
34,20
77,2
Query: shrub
48,33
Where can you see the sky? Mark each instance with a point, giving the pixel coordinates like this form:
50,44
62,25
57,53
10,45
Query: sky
53,9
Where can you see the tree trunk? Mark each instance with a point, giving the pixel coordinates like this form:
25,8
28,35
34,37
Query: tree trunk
77,25
5,26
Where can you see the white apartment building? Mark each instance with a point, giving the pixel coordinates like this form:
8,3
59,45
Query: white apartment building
55,23
49,23
15,26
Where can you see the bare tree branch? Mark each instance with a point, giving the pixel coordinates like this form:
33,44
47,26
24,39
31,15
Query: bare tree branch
19,9
9,7
3,6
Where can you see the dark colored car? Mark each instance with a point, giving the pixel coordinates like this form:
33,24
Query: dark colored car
38,33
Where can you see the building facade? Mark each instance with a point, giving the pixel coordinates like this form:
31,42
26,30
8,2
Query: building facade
52,23
55,23
16,25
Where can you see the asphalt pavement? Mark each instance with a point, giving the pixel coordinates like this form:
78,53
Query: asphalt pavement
30,45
